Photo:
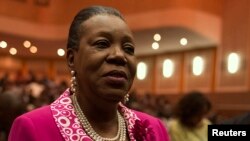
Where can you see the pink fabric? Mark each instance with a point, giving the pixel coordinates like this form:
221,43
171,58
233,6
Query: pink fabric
37,125
58,122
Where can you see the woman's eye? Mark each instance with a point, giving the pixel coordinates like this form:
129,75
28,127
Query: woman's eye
129,49
102,44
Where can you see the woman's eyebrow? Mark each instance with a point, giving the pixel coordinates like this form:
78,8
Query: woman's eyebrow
128,39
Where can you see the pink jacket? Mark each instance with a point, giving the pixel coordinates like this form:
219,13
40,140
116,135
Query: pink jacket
58,122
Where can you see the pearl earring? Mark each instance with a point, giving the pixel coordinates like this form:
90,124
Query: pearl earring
73,82
126,98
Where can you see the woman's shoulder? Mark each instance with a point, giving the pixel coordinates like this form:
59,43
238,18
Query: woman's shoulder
152,120
38,112
37,124
39,115
143,115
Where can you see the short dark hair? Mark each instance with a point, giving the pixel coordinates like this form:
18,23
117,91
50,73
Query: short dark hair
75,30
191,105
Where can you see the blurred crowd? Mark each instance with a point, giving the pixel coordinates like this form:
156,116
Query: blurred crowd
21,95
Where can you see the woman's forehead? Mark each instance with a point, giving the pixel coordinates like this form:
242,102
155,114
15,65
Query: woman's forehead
105,20
105,24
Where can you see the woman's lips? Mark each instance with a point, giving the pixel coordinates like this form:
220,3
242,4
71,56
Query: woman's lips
117,78
116,74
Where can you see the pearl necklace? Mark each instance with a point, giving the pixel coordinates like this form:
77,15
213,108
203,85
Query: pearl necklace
121,133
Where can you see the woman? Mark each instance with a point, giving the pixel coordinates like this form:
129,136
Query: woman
190,122
100,55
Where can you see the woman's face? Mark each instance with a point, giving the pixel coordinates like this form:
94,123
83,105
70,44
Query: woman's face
105,64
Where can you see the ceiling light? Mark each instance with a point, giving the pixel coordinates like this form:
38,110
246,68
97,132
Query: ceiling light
157,37
3,44
26,44
13,51
183,41
155,45
33,49
60,52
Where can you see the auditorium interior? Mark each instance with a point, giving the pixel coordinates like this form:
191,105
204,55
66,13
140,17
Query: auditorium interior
181,46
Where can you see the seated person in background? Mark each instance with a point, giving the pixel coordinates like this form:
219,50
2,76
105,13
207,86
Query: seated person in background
189,122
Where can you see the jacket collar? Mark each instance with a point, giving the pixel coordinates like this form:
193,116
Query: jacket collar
69,125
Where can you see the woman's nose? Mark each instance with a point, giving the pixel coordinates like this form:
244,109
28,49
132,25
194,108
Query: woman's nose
117,56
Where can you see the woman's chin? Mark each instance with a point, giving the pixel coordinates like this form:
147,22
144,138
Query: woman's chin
114,95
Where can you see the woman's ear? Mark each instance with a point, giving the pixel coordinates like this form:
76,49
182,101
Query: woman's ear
70,58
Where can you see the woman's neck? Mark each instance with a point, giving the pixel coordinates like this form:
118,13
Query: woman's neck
105,124
98,110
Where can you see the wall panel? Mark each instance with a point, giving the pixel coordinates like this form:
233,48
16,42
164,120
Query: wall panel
203,82
235,38
147,85
171,85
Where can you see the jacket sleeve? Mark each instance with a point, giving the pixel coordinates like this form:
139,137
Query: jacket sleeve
22,129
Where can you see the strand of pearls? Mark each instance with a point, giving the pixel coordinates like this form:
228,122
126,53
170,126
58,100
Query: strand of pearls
121,133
